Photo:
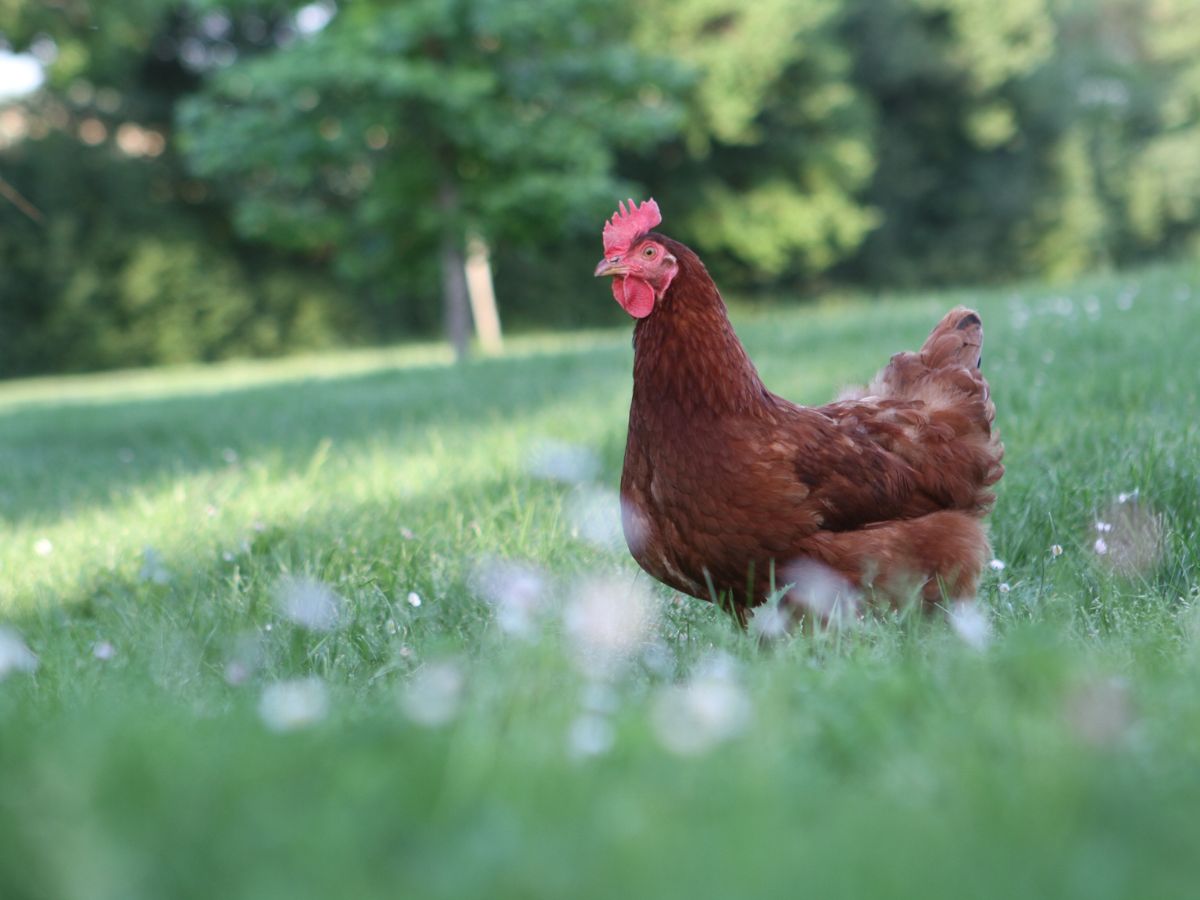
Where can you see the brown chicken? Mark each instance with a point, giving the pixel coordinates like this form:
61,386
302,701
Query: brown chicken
729,491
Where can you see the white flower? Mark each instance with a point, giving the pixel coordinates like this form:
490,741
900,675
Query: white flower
43,547
153,568
595,517
709,708
103,650
821,591
1126,496
244,660
515,590
307,602
971,624
997,565
600,698
236,672
606,621
1056,550
1004,588
658,658
769,621
414,599
433,694
590,735
560,461
289,705
1104,527
15,655
1101,546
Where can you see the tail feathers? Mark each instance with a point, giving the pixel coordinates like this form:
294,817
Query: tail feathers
937,555
954,345
944,373
956,341
933,408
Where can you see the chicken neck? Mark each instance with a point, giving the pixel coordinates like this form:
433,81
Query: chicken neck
687,358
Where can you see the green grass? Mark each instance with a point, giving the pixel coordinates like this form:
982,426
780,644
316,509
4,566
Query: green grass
887,759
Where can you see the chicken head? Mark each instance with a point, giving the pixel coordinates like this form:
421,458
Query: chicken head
641,267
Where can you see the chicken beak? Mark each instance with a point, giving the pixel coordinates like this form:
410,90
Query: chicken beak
611,267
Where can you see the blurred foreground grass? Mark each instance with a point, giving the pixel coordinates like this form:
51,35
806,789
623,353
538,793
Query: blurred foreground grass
359,626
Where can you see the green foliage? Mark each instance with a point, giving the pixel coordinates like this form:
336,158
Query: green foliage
396,124
886,760
1032,138
1162,189
960,160
137,283
328,174
776,147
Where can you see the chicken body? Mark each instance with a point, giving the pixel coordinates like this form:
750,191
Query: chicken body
727,487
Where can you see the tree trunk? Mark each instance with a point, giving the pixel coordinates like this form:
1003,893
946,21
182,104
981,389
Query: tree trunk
483,296
455,303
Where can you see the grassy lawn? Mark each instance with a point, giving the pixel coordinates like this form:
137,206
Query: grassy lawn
357,626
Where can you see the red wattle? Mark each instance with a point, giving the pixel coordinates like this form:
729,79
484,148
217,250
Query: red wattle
635,296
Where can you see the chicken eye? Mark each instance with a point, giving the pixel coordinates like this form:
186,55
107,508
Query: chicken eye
649,252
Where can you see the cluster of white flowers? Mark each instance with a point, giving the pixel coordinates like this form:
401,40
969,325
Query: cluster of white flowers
1129,535
997,565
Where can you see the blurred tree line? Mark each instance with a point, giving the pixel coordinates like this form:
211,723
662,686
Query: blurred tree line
199,179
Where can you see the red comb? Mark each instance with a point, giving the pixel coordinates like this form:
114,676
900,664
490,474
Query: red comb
627,224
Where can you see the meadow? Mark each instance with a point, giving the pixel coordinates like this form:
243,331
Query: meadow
360,625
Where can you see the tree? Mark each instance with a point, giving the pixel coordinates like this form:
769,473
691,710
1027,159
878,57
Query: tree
776,149
1135,70
395,134
133,261
963,152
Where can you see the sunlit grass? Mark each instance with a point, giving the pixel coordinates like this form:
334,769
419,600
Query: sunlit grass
501,705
